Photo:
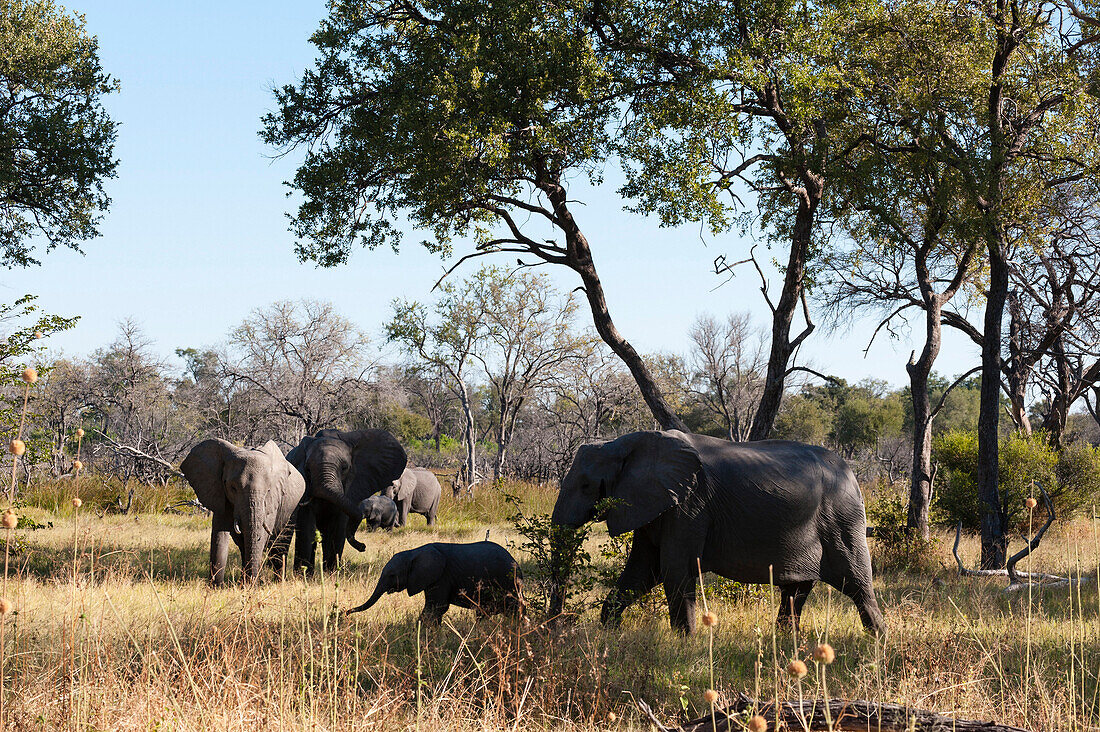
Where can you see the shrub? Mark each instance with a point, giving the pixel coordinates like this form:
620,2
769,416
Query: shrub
1071,477
893,547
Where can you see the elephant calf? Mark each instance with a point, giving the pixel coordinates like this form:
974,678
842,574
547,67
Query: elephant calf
379,512
482,576
417,490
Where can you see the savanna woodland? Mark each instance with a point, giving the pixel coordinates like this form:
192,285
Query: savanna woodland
175,528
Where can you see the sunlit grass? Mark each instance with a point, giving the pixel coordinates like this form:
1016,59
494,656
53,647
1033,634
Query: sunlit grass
138,640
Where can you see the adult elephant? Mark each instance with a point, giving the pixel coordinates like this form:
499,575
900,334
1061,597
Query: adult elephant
252,493
771,511
341,469
418,491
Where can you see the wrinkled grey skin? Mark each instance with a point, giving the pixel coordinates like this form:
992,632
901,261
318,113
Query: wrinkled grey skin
482,576
417,490
379,512
752,512
341,470
252,493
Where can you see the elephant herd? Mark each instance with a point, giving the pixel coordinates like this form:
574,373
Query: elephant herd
774,511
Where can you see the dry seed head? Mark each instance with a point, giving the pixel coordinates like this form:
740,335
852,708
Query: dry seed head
10,520
77,503
710,619
825,654
611,717
17,447
77,466
37,334
1031,502
5,606
758,724
711,696
79,431
30,375
797,669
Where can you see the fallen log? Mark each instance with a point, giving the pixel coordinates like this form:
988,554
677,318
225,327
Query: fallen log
848,715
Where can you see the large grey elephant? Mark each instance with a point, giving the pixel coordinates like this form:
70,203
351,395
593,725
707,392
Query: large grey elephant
341,469
481,575
418,491
379,512
771,511
252,493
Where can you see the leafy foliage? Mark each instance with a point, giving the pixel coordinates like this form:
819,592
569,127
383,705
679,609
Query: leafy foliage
56,139
1071,476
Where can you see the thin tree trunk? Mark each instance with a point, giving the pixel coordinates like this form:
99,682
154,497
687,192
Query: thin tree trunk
782,347
470,468
580,260
1020,366
994,541
1054,421
920,486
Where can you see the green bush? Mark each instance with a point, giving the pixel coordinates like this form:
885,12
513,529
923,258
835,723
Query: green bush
1071,477
893,547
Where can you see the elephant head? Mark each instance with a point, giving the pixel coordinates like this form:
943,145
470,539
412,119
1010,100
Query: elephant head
378,512
643,474
250,491
413,570
343,468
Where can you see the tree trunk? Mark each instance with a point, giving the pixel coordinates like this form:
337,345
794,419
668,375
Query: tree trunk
783,316
1020,366
994,541
920,487
579,259
1054,421
468,436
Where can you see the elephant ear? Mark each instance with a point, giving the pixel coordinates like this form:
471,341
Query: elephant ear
659,471
291,484
297,456
425,569
204,468
377,460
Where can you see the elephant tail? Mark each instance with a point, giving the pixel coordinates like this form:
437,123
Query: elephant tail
378,592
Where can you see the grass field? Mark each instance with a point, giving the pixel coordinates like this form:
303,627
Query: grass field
115,627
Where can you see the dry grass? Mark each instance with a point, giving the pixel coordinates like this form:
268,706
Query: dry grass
135,639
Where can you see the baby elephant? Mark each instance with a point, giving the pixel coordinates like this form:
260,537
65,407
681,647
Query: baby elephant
379,512
482,576
417,490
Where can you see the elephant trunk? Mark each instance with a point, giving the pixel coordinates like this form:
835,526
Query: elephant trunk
332,490
378,592
254,544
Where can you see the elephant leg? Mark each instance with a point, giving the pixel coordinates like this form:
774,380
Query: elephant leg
680,573
305,545
866,604
434,607
791,602
402,513
848,569
332,541
219,547
680,590
640,575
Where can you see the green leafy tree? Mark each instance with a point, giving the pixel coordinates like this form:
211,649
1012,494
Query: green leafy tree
56,139
467,118
739,97
447,338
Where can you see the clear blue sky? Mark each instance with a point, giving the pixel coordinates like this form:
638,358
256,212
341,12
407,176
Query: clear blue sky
197,236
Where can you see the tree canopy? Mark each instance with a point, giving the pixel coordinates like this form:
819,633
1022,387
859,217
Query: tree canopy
56,138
